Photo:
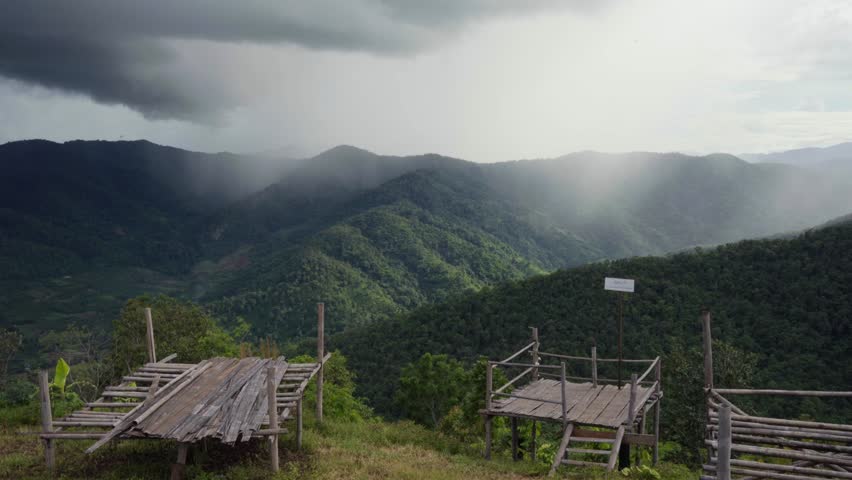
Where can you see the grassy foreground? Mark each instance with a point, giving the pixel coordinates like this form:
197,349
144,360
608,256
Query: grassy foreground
336,450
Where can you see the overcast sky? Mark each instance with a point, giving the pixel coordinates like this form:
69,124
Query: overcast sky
484,80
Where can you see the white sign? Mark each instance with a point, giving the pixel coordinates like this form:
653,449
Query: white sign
619,284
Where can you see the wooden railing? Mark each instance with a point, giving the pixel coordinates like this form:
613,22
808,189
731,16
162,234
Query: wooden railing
813,450
534,370
808,445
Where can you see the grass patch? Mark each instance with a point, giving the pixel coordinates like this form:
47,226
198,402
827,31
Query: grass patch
334,450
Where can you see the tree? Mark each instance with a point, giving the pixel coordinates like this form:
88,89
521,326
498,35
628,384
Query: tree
685,410
180,327
429,387
10,343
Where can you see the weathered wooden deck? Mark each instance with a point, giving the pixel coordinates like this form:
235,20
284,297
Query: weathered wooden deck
587,404
224,399
543,392
221,398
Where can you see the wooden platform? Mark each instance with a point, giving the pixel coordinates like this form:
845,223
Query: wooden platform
601,406
221,398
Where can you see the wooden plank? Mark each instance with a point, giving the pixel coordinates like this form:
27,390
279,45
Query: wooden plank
173,387
616,448
596,406
149,336
560,453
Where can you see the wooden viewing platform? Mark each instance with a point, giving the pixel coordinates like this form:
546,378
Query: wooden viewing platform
744,446
225,399
592,410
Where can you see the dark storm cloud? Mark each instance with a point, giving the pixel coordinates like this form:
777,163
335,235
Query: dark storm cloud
121,51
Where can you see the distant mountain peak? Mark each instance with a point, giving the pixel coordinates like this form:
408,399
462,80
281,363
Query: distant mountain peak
345,150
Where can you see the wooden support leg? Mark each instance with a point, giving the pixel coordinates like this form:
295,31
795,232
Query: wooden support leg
624,456
299,424
179,467
532,442
656,454
488,437
514,423
642,431
46,420
271,386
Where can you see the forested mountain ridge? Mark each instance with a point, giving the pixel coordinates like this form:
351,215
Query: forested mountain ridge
782,300
373,236
67,207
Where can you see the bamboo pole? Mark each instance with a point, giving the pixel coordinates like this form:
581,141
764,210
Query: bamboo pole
789,393
631,412
708,350
46,420
535,356
155,385
488,387
320,356
299,424
723,454
564,398
273,416
149,324
658,389
595,366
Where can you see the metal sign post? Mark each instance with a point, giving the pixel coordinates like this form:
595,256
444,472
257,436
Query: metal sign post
624,286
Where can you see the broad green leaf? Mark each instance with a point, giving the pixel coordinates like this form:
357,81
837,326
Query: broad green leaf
61,375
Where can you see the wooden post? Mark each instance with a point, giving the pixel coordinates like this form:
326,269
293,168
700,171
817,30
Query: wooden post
595,366
513,421
46,420
489,375
149,324
708,350
533,452
631,413
271,387
708,371
155,385
564,399
487,437
299,424
723,453
488,387
179,467
535,359
320,356
658,389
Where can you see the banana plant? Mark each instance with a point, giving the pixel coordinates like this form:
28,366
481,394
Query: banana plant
60,377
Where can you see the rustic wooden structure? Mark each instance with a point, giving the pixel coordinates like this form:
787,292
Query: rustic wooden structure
226,399
593,411
746,446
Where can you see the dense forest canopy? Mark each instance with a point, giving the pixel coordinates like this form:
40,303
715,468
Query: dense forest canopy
787,301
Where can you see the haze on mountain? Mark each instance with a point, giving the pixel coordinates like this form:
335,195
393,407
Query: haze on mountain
373,236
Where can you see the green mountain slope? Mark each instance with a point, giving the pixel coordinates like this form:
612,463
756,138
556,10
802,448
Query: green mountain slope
444,226
69,207
783,299
372,236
